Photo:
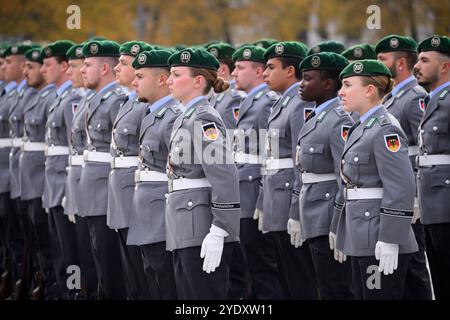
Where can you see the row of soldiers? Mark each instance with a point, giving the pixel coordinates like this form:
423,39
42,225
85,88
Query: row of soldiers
87,131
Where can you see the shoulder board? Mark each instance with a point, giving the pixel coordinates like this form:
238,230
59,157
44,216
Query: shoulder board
65,93
400,93
45,93
384,120
286,101
272,95
107,95
190,112
259,94
419,90
220,97
201,109
21,92
321,116
371,122
119,91
340,112
161,112
89,97
241,93
13,92
443,94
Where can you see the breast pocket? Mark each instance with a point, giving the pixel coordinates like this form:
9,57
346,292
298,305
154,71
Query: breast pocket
100,130
310,156
357,165
125,136
273,141
317,201
150,149
281,187
36,126
54,127
440,136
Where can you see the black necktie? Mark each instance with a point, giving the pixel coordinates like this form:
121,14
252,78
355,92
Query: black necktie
426,101
310,115
353,127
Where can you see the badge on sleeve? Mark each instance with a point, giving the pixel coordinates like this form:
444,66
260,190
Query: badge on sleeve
392,142
422,105
344,132
210,131
235,113
306,112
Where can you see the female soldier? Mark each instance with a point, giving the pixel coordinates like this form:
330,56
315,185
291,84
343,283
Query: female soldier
203,202
375,223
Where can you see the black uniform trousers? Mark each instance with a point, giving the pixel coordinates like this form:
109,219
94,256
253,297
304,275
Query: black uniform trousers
334,279
106,253
295,268
133,268
260,252
195,284
239,276
370,284
158,267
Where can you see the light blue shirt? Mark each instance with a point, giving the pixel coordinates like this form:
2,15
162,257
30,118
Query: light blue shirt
157,104
256,89
439,89
402,84
10,86
22,84
324,105
289,89
369,113
105,88
191,103
47,86
132,95
63,87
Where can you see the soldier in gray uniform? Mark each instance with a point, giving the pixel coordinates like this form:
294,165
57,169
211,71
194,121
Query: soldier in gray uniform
287,116
316,192
433,176
124,152
227,102
259,250
147,219
203,211
102,109
375,222
406,103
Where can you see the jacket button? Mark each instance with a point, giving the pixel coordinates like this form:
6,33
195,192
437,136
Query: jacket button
147,148
287,184
236,132
33,121
447,181
53,124
356,159
274,133
114,131
250,178
98,125
327,195
125,130
343,161
14,118
89,126
435,128
422,131
367,213
166,195
176,149
311,149
190,203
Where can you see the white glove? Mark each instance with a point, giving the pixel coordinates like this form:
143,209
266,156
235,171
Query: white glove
47,210
259,215
338,254
387,253
63,202
416,215
72,218
212,248
294,229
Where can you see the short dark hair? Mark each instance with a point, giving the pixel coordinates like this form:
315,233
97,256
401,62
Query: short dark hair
333,75
291,61
61,59
410,57
229,63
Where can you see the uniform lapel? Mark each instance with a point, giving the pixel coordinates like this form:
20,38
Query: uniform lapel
432,105
282,103
126,107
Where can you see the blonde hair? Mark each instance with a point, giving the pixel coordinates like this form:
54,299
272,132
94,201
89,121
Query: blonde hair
383,84
212,80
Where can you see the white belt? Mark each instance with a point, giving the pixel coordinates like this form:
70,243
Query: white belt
5,142
185,183
33,146
413,150
124,162
363,193
56,151
276,164
434,160
76,160
16,142
308,177
240,157
94,156
149,176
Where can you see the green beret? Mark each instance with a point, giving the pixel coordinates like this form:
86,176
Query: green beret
221,50
324,61
264,43
152,59
365,68
34,55
360,52
395,42
2,50
435,43
16,49
249,53
104,48
196,58
75,52
179,47
97,38
133,48
57,49
208,44
327,46
290,49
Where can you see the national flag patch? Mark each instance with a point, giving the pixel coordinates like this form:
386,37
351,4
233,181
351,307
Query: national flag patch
392,142
210,131
235,113
344,132
422,105
306,112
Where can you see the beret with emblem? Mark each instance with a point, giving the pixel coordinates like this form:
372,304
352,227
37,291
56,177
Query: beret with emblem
264,43
17,49
133,48
396,42
34,55
435,43
290,49
56,49
152,59
360,52
327,46
249,53
104,48
221,50
324,61
366,68
196,58
75,52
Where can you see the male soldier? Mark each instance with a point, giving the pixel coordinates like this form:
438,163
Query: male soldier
360,52
433,177
100,59
5,143
124,150
258,248
327,46
147,221
264,43
227,102
405,102
32,172
59,121
285,121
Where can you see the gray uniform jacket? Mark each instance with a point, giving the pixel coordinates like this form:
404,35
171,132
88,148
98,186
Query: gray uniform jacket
284,124
147,220
32,163
227,104
59,124
319,148
101,114
434,181
125,142
77,145
197,133
376,156
252,120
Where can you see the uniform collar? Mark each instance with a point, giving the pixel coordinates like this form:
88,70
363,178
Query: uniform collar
191,103
51,85
22,84
157,104
105,88
401,85
63,87
256,89
10,86
366,115
132,95
324,105
295,85
438,89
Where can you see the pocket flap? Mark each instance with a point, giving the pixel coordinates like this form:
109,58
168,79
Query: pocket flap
151,145
190,200
313,148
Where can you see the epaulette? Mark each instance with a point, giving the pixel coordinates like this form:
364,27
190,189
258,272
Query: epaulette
285,101
321,116
64,94
45,93
384,120
201,109
119,91
272,95
240,93
89,97
443,94
190,112
21,92
161,112
371,122
13,92
419,89
340,112
258,95
400,93
107,95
